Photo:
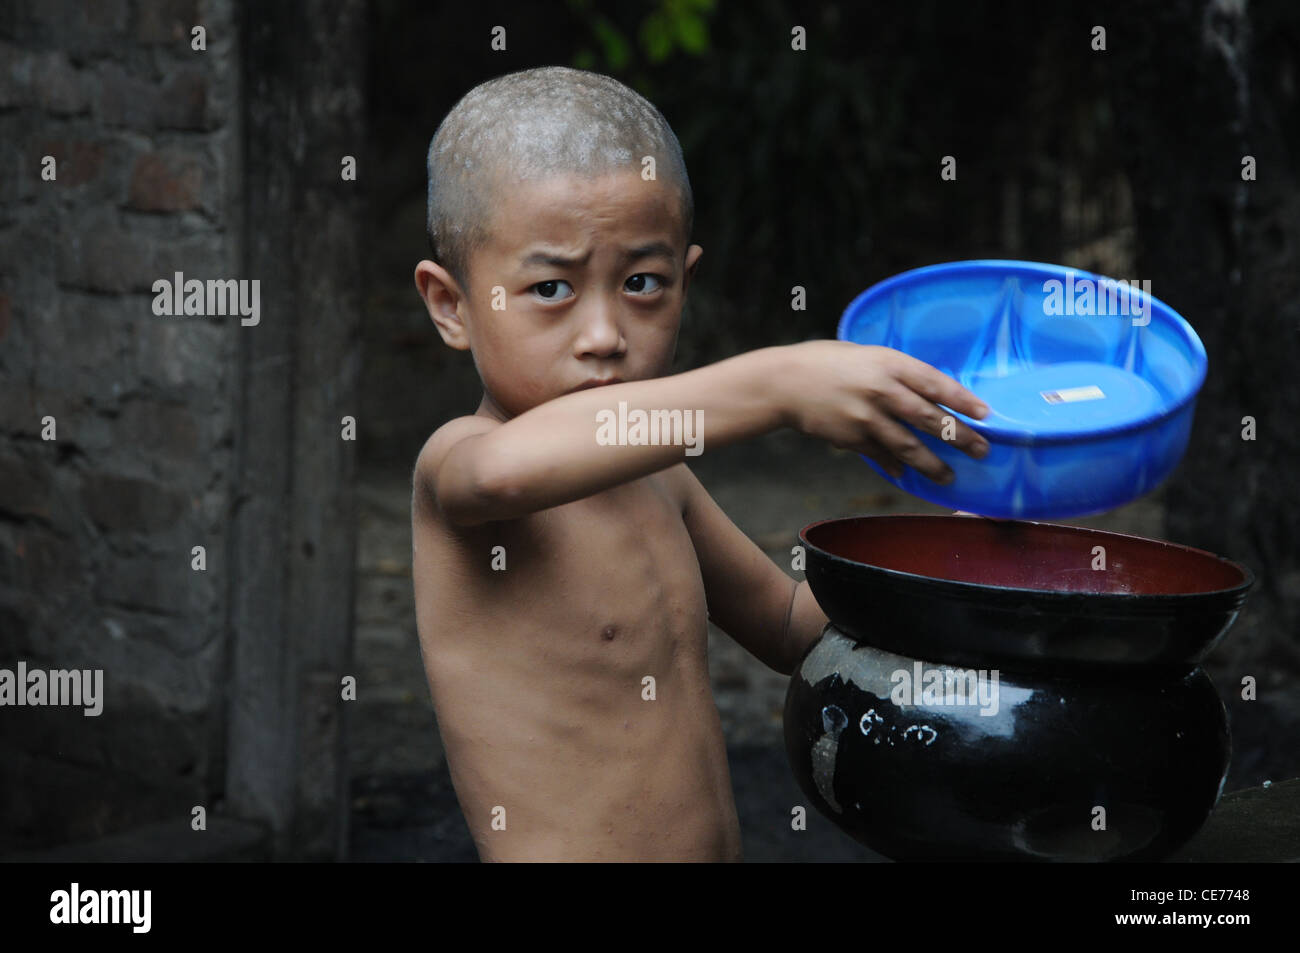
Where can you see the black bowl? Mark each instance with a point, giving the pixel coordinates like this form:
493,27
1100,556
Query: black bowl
976,592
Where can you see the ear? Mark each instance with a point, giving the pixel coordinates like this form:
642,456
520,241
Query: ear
692,259
442,296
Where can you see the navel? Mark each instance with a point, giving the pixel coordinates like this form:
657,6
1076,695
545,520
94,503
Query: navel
609,632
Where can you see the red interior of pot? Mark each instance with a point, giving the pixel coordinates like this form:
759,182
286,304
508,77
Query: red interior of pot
1023,555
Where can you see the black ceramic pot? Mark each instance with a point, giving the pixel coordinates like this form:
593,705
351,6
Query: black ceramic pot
1001,690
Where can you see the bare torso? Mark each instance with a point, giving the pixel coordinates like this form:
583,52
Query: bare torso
538,679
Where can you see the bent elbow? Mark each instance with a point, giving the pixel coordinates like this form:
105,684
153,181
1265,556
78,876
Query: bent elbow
488,492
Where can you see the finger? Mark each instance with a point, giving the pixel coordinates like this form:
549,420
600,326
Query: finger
876,451
938,422
908,449
938,387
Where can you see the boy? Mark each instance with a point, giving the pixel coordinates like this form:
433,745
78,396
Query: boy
563,582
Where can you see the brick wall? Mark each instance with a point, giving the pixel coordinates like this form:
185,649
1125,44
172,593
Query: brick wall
97,525
166,426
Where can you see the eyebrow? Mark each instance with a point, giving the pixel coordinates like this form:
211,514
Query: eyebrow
654,249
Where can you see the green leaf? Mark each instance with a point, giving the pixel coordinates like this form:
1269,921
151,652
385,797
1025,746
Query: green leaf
615,46
656,37
692,33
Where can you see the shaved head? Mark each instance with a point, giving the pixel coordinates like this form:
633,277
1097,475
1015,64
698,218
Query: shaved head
533,125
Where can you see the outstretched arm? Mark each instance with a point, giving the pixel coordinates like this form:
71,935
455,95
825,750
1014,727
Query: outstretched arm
850,395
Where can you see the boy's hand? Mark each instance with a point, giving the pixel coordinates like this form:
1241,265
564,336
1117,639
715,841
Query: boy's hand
855,396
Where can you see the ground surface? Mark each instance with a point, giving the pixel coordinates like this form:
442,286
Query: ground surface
403,806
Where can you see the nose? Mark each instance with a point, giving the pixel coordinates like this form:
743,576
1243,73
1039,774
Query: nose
599,333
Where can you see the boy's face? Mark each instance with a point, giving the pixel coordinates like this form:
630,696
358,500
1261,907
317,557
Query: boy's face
582,281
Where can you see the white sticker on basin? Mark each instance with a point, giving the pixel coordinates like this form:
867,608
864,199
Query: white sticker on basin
1071,394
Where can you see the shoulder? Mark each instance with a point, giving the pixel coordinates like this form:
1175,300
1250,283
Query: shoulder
450,434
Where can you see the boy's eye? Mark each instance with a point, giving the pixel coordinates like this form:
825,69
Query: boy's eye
550,290
643,284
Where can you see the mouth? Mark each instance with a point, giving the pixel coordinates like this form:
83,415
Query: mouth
597,383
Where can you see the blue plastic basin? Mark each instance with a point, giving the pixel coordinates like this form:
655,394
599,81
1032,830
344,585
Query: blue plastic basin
1091,383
